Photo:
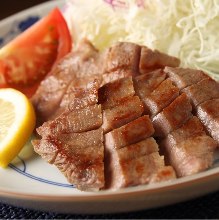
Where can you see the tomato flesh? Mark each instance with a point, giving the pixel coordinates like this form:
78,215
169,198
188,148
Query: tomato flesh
26,60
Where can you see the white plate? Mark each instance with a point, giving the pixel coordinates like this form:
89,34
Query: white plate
31,182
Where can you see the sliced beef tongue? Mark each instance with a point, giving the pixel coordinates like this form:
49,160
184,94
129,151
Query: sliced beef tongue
129,133
112,93
86,64
188,149
203,93
79,156
131,157
73,66
170,114
173,116
151,60
204,90
128,109
140,170
208,113
146,83
79,120
116,75
135,164
122,55
74,143
78,97
184,77
102,105
161,97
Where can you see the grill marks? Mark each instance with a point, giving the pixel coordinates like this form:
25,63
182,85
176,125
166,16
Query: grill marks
91,117
208,113
86,64
128,109
131,155
130,133
135,164
74,66
161,97
151,60
74,143
76,121
202,91
184,77
73,138
188,149
123,56
173,116
203,94
146,83
111,94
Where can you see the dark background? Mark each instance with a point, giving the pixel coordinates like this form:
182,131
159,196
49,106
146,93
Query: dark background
9,7
206,207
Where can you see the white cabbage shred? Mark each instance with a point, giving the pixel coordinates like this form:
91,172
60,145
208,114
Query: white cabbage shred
187,29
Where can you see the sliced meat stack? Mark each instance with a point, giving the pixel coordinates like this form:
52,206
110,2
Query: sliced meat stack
203,93
188,149
208,113
170,109
109,126
131,155
74,143
85,65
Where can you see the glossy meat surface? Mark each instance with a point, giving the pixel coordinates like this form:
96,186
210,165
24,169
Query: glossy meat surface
130,133
160,98
126,111
173,116
184,77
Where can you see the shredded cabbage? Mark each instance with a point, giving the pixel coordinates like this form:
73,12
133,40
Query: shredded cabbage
186,29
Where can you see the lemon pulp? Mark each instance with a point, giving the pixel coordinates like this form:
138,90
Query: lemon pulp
17,122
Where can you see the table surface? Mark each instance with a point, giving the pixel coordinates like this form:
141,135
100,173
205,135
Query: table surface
204,207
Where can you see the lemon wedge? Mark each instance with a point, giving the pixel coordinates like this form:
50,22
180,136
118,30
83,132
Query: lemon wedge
17,122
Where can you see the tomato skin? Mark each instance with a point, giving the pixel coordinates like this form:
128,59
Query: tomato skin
27,59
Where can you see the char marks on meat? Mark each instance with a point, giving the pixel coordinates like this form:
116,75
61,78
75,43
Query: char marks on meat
105,108
151,60
70,69
188,149
173,116
161,97
123,55
77,98
76,121
202,91
208,113
128,109
112,93
184,77
135,164
146,83
78,155
82,66
130,133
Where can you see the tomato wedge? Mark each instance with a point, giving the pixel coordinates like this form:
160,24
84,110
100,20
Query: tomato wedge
27,59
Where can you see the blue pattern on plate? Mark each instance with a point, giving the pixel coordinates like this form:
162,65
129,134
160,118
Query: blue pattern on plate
23,25
23,172
17,28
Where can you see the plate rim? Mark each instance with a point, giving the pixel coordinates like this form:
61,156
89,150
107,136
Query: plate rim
205,176
26,11
182,183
